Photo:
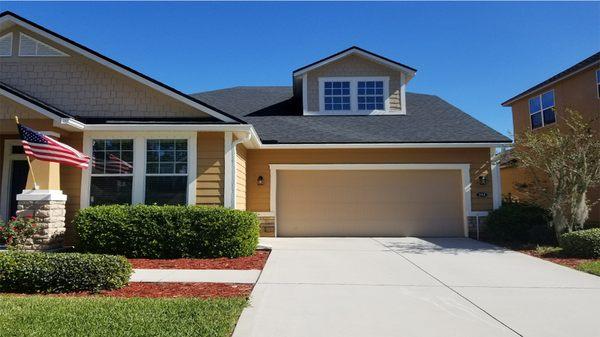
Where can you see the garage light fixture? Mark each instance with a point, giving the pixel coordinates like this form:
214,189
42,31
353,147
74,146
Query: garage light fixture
482,180
260,181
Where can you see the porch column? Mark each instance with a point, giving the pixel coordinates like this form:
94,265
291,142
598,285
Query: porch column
45,203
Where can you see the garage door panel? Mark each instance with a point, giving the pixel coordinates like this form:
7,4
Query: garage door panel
369,203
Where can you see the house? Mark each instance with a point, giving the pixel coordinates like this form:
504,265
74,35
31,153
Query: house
346,150
539,108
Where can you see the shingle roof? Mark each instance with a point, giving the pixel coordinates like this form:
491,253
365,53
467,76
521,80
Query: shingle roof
579,66
273,113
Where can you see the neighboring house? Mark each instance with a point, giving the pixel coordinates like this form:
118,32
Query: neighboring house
543,106
344,151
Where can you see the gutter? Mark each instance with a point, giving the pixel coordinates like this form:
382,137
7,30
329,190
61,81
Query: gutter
233,165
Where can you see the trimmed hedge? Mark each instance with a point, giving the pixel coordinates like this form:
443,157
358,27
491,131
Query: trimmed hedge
520,222
61,272
583,243
145,231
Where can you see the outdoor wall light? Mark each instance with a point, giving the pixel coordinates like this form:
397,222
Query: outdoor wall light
482,180
260,181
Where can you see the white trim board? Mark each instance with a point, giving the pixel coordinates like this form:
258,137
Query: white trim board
464,169
120,69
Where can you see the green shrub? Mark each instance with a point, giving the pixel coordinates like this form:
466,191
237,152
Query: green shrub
520,222
61,272
584,243
167,231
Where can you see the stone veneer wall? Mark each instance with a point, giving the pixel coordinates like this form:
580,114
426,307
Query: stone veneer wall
49,215
267,225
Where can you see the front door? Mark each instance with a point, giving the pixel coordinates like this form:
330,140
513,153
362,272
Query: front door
18,178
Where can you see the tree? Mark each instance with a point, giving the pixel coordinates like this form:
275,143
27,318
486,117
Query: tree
564,164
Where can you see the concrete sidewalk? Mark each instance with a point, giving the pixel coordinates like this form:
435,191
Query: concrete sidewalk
407,287
195,275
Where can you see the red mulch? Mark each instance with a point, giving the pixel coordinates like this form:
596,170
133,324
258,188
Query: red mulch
168,290
565,261
255,261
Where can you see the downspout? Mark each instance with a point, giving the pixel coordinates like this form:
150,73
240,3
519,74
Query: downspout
233,165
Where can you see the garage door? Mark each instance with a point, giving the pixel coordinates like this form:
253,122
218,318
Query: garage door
369,203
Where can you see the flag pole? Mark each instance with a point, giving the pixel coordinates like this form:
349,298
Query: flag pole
35,185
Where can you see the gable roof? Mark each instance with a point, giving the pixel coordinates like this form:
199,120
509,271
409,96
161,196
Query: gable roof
8,17
356,51
588,62
272,111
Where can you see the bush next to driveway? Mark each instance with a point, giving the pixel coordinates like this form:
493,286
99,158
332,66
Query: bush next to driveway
520,222
61,272
584,243
144,231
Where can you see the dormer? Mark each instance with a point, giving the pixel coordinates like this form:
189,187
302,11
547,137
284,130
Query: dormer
353,82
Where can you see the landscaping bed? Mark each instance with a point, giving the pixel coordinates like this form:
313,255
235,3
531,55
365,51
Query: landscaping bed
117,317
555,255
255,261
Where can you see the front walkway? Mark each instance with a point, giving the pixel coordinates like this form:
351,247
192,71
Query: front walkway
415,287
195,275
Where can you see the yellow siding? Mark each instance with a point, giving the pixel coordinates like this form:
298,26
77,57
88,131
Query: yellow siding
258,197
210,169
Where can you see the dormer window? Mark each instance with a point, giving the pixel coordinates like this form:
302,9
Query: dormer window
353,95
370,95
337,95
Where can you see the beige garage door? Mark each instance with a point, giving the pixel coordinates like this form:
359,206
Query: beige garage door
369,203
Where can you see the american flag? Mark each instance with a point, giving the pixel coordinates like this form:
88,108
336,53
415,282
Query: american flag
44,148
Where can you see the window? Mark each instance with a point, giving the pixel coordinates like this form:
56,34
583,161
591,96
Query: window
598,82
29,46
166,171
353,95
541,110
112,171
337,95
370,95
6,45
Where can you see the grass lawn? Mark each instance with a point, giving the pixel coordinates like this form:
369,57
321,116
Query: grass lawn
116,317
592,267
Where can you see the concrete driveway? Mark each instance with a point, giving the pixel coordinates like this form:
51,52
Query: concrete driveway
415,287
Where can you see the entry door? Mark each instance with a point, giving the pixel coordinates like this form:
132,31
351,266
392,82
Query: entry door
18,179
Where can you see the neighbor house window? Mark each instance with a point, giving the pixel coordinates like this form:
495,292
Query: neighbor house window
166,171
598,82
370,95
542,110
337,95
112,171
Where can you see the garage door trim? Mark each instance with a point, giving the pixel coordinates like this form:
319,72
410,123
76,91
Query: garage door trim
464,169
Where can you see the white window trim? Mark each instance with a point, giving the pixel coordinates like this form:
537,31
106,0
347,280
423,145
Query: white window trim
541,109
10,51
139,162
353,96
21,35
6,162
464,169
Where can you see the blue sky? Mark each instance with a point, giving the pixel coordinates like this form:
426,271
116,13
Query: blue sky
474,55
